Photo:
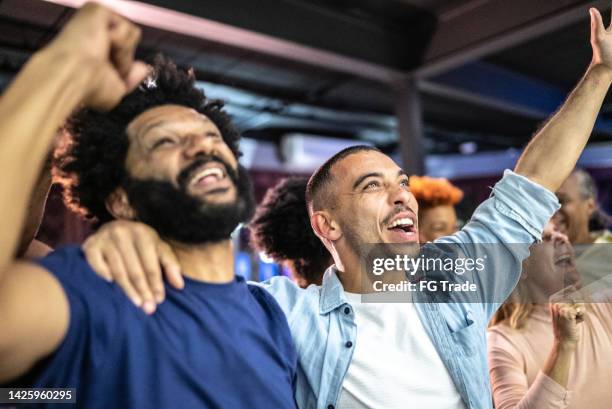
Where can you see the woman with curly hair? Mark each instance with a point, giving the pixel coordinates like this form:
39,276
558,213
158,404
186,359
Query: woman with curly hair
437,199
281,229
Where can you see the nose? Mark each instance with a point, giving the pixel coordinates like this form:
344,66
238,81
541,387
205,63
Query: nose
196,145
559,238
400,196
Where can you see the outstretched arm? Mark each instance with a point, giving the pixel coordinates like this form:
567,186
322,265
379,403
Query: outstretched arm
552,154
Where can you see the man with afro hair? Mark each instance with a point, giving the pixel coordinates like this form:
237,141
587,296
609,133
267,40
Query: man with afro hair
163,155
281,229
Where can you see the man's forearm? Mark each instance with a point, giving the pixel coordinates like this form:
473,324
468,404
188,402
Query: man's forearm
552,154
32,109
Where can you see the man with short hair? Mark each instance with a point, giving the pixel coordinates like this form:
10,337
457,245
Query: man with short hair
163,155
426,354
578,198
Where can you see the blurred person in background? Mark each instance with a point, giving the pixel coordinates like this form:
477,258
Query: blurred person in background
580,217
551,355
354,354
281,229
585,224
437,198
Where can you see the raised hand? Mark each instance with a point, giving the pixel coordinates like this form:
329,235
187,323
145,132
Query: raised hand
601,40
103,43
565,320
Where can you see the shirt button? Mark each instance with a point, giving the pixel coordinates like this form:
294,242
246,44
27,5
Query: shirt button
347,310
330,406
348,344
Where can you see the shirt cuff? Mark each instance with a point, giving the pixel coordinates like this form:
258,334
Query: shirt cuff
546,393
528,203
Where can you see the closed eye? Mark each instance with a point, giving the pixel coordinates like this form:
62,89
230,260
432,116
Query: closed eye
161,142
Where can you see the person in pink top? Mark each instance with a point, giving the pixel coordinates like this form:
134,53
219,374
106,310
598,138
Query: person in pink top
555,354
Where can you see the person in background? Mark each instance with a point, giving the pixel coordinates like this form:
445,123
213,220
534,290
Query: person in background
585,224
577,337
580,217
437,199
281,229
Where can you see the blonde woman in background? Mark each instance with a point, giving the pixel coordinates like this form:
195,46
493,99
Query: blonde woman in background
555,355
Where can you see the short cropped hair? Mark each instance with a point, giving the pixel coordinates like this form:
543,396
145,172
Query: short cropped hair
588,188
316,190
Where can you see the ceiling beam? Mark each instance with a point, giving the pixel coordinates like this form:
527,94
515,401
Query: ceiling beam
244,39
469,34
493,87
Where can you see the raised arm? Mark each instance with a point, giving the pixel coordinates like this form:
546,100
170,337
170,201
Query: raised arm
91,63
552,154
74,69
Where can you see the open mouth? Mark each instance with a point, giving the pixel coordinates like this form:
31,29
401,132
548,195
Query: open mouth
212,177
403,228
564,260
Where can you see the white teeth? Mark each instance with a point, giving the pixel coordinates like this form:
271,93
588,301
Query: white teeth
218,172
406,222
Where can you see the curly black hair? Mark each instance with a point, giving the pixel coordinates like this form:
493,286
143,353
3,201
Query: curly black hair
281,229
91,165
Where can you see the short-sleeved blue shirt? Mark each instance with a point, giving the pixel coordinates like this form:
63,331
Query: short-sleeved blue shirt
208,346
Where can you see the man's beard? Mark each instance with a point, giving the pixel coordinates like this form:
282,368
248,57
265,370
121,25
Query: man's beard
178,216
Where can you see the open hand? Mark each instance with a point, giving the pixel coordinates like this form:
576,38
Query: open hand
132,255
601,40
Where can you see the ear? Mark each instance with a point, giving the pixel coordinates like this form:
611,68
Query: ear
118,205
324,226
591,206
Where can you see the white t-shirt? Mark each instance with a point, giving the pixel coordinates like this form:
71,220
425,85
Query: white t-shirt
395,364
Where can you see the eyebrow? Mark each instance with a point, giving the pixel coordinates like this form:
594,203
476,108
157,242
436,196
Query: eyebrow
374,174
364,177
151,126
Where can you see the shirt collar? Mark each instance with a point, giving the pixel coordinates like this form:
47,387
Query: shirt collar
332,292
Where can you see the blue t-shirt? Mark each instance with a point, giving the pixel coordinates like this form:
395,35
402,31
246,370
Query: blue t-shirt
207,346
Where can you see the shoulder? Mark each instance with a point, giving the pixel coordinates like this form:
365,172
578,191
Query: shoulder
501,338
289,295
88,294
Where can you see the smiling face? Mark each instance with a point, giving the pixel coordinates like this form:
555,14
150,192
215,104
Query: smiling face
551,264
183,178
372,202
166,141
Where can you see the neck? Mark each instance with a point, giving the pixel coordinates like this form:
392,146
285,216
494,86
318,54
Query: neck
356,280
584,237
210,262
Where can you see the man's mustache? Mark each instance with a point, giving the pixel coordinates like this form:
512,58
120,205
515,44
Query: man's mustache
186,174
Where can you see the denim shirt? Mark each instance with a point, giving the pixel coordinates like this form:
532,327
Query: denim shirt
322,321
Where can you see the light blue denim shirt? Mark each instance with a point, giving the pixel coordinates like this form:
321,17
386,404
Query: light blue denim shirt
322,321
